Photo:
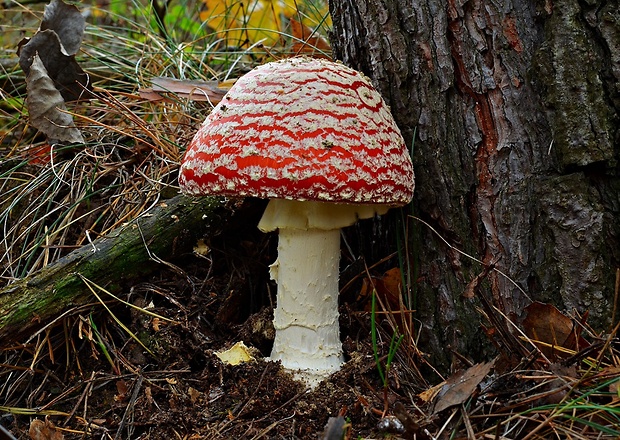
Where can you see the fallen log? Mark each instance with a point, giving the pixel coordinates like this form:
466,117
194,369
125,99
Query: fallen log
127,253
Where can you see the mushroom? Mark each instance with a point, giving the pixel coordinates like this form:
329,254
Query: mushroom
317,139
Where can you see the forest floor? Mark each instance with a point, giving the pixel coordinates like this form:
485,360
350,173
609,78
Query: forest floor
183,390
147,367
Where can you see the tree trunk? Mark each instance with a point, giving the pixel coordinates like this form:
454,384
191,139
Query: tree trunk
127,253
514,109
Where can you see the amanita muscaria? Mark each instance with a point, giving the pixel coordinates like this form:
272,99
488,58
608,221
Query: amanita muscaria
317,139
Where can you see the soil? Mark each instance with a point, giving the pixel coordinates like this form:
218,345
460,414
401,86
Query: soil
94,380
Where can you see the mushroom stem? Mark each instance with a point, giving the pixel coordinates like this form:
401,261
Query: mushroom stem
306,317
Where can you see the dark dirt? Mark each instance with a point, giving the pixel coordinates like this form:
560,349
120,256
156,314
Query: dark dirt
182,390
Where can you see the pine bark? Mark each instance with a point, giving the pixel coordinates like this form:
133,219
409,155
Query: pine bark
512,108
137,249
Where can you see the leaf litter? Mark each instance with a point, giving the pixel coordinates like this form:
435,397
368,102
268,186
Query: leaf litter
87,377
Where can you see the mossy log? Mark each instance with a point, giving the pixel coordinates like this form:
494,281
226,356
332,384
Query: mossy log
129,252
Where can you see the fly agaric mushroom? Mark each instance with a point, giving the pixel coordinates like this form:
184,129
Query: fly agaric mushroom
317,139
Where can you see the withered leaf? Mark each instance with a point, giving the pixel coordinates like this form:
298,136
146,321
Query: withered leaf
57,41
473,286
67,22
388,288
46,106
550,329
65,72
194,394
44,430
460,386
193,90
307,42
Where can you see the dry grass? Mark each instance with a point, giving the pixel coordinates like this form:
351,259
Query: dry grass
133,147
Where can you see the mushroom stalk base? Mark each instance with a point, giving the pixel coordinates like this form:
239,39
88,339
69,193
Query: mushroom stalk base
306,317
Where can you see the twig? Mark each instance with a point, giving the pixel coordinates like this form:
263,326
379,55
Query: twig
130,408
87,388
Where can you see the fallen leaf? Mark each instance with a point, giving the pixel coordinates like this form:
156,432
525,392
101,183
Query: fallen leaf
67,22
201,248
193,394
63,70
392,281
148,393
151,95
554,391
198,91
40,154
58,40
122,389
388,288
46,106
461,386
307,42
191,89
551,331
430,393
473,286
44,430
235,355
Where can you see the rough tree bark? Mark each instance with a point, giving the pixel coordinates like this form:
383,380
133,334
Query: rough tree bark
127,253
514,108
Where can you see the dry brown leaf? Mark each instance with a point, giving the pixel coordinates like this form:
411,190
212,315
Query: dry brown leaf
123,390
156,324
550,329
430,393
392,281
460,386
473,286
305,42
57,41
46,106
39,154
150,95
67,22
193,90
193,394
44,430
67,75
388,288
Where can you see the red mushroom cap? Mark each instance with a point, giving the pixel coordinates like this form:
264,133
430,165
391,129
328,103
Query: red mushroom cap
301,129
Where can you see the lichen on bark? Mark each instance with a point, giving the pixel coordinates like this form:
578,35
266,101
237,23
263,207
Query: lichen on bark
567,71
